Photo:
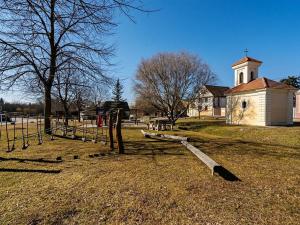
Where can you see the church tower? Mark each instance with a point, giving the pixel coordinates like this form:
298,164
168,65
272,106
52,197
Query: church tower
245,70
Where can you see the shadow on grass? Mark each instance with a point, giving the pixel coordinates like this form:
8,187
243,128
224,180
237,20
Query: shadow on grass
28,170
241,147
225,174
41,160
153,147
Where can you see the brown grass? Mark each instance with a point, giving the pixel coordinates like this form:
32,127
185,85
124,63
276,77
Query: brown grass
156,182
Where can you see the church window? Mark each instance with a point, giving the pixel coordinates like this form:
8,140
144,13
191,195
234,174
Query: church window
251,76
241,77
244,104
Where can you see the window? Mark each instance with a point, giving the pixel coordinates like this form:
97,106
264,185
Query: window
244,104
251,76
241,77
205,99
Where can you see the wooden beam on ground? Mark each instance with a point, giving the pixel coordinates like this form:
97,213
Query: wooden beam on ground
179,138
212,165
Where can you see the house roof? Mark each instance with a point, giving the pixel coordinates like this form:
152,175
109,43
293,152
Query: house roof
108,105
217,91
246,59
259,83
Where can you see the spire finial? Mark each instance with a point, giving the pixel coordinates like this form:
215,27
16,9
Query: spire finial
246,52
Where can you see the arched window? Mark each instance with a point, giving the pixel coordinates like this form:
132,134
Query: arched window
251,76
244,104
241,78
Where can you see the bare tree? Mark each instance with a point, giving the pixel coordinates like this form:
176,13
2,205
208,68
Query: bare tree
72,88
234,111
80,99
63,90
171,81
37,38
144,107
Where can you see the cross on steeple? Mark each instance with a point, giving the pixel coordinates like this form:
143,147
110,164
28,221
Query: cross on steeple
246,52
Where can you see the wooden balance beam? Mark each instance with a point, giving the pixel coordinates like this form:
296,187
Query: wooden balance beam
210,163
178,138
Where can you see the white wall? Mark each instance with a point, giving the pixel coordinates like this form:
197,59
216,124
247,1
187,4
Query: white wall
253,114
279,107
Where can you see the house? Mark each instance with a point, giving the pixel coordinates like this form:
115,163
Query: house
258,101
211,102
297,109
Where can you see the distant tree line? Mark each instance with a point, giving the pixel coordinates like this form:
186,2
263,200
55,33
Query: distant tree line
24,108
292,80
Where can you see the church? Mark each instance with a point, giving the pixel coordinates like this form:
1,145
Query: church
257,100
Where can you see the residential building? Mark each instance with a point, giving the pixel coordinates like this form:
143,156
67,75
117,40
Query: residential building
211,101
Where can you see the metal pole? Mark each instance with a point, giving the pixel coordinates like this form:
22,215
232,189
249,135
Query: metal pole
7,135
13,146
27,141
23,137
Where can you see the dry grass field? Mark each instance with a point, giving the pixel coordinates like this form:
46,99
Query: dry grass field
156,181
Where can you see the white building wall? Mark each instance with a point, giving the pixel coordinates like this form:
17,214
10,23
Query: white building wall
269,107
253,114
290,107
297,109
279,105
268,113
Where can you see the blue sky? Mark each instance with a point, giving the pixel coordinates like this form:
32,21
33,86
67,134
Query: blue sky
216,30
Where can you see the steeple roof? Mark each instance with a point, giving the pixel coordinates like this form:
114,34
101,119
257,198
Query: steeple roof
246,59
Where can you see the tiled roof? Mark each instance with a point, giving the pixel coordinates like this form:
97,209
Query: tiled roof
246,59
259,83
217,91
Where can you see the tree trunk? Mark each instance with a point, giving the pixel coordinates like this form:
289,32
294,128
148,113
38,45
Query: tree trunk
110,131
47,110
78,115
66,111
119,132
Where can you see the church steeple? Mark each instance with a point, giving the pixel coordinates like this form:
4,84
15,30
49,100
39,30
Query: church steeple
245,70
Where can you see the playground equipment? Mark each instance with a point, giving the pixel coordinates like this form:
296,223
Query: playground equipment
18,130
